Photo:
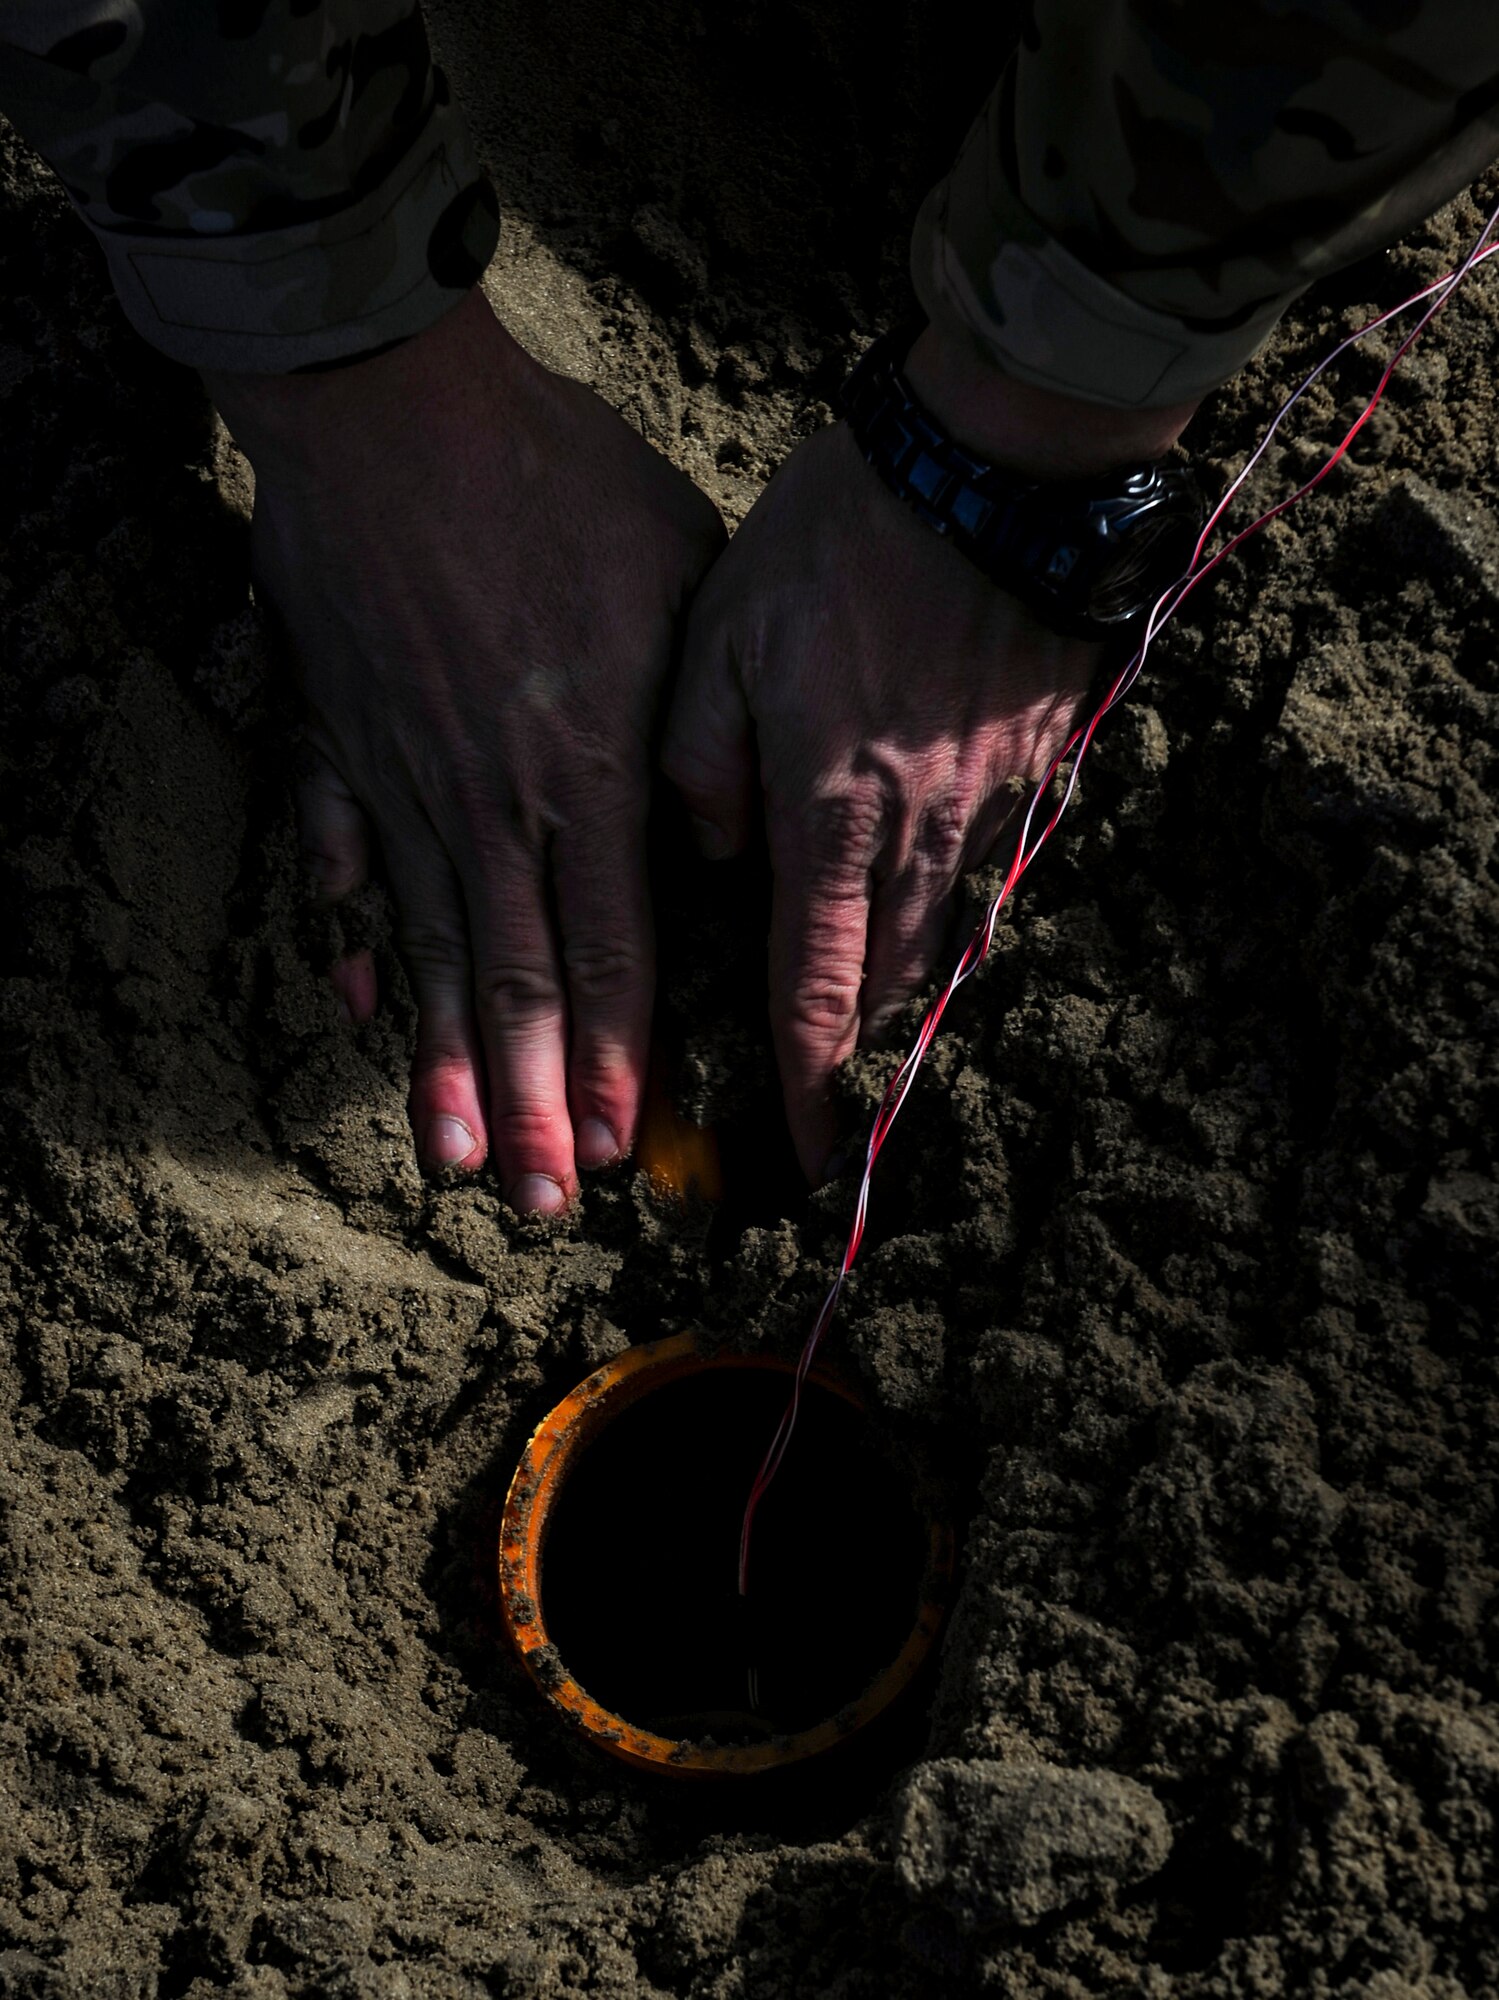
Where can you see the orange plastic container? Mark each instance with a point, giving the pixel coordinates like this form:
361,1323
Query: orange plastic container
552,1455
682,1159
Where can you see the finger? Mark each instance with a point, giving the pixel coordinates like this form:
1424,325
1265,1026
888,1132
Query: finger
818,927
334,836
997,825
709,749
909,916
603,911
913,915
354,986
522,1020
331,828
446,1102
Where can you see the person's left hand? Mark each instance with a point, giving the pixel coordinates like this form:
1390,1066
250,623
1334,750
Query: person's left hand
885,695
892,694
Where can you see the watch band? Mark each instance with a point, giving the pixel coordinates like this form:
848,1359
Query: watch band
1088,557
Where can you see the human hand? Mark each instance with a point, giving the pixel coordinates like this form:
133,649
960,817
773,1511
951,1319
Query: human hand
478,567
884,695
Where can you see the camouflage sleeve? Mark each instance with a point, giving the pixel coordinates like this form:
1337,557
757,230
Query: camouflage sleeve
275,183
1154,181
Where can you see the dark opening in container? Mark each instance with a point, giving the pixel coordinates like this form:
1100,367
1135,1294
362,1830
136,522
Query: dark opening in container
618,1565
639,1590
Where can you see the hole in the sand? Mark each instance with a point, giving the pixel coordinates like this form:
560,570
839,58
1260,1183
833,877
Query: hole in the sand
638,1582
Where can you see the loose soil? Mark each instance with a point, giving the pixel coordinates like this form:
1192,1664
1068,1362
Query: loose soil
1184,1250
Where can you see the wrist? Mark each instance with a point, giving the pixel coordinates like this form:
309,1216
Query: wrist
342,416
1063,505
1037,433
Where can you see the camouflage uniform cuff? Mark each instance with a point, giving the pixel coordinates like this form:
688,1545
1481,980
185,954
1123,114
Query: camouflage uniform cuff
269,302
1029,307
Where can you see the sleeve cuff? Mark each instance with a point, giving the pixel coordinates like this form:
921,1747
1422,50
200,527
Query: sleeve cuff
1188,299
985,271
274,301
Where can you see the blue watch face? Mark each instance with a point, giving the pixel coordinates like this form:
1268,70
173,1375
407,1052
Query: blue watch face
1087,559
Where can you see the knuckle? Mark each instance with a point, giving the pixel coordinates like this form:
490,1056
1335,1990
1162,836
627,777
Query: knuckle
530,1132
601,1073
604,819
441,1063
523,990
495,822
433,952
605,764
942,837
846,825
604,971
332,873
821,1011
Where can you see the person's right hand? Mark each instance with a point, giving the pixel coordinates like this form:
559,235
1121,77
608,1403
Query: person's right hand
478,566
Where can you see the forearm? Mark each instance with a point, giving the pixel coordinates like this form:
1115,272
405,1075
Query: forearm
1152,184
1038,432
272,197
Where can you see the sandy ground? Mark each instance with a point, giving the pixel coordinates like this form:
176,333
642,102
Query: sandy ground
1184,1257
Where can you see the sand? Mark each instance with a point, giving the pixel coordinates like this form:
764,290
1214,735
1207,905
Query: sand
1183,1259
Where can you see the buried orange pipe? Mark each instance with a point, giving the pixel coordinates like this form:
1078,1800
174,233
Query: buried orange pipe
554,1448
682,1159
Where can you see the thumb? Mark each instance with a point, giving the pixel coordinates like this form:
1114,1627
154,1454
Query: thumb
709,753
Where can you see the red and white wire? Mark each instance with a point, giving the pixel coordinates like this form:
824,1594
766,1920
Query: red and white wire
1026,848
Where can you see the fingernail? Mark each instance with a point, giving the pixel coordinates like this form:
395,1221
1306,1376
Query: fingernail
596,1145
345,1011
712,842
449,1140
537,1194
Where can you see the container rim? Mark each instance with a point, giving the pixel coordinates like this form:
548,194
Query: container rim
552,1449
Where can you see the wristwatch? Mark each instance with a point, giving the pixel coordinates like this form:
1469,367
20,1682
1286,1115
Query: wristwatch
1087,556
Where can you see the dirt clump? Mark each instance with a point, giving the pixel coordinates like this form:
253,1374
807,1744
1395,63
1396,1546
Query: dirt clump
1000,1844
